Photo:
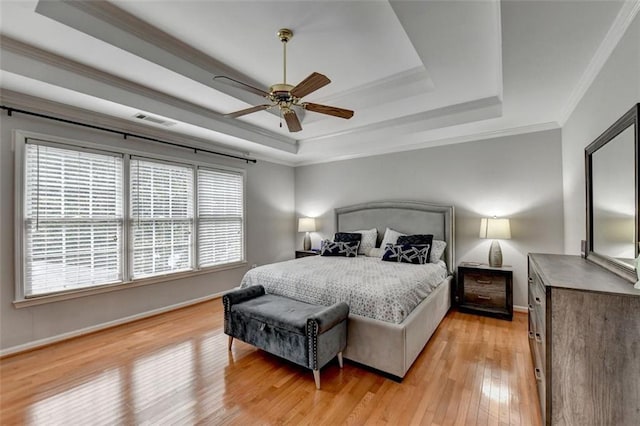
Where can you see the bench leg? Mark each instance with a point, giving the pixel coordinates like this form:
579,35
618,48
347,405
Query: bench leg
230,342
316,376
340,359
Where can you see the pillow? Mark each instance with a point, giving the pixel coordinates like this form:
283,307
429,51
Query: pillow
376,252
415,239
417,254
422,239
339,248
368,241
347,237
437,250
390,237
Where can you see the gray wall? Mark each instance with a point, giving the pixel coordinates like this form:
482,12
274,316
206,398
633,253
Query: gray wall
518,177
270,224
614,91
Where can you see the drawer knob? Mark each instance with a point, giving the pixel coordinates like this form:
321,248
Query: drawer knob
483,281
538,301
531,336
538,374
538,338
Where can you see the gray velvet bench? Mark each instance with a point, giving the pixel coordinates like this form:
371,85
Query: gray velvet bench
308,335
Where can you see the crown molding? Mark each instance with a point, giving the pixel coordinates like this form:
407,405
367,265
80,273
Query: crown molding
623,20
492,134
44,106
63,72
489,107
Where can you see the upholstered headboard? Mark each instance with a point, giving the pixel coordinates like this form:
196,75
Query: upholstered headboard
408,217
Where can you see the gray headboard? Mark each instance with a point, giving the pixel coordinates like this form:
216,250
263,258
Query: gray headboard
408,217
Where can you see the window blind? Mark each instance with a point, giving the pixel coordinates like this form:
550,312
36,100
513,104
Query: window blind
220,217
73,218
161,205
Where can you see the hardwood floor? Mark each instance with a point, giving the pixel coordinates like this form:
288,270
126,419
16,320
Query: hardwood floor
175,369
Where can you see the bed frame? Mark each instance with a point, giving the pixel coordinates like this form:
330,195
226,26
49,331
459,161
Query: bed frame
392,348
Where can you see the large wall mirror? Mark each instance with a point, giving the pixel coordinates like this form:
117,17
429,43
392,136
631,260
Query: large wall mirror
613,217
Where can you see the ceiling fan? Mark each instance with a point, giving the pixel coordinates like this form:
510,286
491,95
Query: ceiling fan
285,96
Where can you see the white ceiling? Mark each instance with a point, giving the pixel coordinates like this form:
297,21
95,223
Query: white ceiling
417,73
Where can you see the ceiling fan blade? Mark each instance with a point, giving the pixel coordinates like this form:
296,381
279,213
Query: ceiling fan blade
329,110
235,83
247,111
292,121
310,84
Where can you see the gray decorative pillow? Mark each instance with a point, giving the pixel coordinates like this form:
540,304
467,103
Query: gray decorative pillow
390,237
339,248
368,241
437,250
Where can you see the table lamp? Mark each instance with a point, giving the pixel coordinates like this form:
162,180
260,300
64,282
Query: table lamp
495,229
306,224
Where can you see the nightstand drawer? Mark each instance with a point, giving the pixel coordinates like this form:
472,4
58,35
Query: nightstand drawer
485,290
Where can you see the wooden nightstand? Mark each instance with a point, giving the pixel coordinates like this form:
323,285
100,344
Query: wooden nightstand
305,253
485,290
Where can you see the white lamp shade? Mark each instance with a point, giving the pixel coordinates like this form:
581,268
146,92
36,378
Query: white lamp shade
495,229
306,224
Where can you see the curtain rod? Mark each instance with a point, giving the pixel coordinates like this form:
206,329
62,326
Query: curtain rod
11,110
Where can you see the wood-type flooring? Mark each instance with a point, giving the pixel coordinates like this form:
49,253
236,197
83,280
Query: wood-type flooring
175,368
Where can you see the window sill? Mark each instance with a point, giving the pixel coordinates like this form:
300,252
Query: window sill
90,291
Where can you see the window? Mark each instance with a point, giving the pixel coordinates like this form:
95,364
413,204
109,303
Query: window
73,219
220,217
161,216
92,217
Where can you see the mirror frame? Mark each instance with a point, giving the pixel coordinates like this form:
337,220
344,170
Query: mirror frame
627,120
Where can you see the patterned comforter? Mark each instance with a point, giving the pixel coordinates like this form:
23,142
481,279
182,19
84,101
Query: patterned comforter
385,291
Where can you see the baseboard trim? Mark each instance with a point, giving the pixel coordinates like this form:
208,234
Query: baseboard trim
98,327
517,308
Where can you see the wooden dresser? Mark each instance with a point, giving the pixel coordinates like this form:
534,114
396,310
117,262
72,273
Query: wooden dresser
584,336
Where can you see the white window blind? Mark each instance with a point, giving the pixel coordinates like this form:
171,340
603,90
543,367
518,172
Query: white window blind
161,200
220,217
73,219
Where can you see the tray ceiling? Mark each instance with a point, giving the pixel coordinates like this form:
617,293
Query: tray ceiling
417,73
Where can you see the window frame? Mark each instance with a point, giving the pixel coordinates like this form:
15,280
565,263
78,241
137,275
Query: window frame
20,138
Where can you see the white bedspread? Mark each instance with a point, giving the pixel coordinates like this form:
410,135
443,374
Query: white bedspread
386,291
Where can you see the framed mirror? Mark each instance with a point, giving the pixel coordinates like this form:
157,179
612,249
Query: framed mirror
613,214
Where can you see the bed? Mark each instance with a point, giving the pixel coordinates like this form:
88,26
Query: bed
387,337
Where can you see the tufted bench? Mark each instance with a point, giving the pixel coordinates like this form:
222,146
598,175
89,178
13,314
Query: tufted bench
308,335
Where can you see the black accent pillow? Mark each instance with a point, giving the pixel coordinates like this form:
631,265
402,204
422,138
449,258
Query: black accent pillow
347,237
417,239
339,248
417,254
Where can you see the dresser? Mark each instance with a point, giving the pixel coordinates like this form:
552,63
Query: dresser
584,338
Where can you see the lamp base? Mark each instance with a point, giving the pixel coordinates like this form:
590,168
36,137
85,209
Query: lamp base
306,243
495,255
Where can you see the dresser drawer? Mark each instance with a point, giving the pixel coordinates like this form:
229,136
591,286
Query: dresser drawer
485,290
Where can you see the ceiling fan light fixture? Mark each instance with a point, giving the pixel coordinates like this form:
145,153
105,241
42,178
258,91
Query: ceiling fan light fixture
286,96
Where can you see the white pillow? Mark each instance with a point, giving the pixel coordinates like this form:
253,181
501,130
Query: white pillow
376,252
437,250
368,240
390,237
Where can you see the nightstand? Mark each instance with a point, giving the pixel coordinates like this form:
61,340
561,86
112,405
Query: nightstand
485,290
305,253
